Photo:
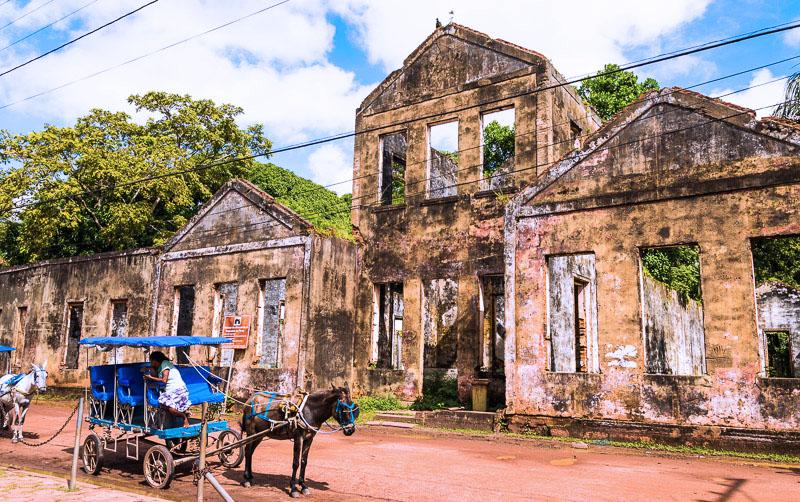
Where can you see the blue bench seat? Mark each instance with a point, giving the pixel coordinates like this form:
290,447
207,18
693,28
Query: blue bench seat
130,384
199,390
101,380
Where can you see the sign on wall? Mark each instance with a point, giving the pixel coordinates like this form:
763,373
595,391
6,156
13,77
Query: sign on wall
237,328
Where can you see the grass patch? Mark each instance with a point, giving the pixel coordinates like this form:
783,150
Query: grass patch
438,392
369,406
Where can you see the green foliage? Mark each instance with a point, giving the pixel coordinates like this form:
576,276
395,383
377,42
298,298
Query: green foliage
328,212
498,147
438,391
398,185
609,94
790,108
678,267
80,176
779,352
385,402
777,259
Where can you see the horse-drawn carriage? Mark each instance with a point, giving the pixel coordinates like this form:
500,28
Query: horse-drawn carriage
16,391
124,412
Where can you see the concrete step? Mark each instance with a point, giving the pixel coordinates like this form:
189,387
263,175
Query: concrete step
385,423
396,417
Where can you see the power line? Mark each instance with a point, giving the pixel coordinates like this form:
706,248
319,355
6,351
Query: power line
143,56
76,39
237,159
29,35
48,2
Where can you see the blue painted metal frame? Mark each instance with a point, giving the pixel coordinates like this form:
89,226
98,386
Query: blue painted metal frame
171,433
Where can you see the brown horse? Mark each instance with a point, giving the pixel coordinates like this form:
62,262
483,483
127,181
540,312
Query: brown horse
266,412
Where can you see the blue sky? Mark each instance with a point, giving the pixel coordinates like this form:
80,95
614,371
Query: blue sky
302,68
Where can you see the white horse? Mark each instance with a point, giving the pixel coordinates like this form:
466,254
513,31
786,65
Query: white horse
15,397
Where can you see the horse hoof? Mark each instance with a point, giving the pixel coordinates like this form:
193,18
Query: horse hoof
246,484
305,491
295,494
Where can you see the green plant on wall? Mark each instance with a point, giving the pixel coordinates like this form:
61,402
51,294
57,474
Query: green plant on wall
678,267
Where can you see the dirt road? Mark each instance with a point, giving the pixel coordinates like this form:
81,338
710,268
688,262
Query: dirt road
398,465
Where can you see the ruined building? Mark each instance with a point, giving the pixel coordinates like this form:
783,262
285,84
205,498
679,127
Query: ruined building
429,208
243,256
591,335
525,261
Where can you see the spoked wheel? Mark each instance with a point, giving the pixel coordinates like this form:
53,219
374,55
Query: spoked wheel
158,467
231,457
92,454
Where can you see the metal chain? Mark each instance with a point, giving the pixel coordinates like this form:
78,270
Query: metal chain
59,431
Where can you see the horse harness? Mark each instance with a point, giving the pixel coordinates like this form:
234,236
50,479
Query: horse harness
292,413
11,385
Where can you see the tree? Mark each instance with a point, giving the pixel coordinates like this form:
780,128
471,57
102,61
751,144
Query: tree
498,147
777,259
610,92
72,190
678,267
790,108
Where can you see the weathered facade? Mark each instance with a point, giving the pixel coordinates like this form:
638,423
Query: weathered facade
429,209
674,169
242,255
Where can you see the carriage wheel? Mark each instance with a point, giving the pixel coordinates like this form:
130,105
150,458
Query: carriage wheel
158,467
231,457
92,454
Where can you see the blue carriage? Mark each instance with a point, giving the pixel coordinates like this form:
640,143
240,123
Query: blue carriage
124,412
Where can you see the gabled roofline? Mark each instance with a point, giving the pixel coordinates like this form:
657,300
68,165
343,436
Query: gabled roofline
251,192
466,34
714,108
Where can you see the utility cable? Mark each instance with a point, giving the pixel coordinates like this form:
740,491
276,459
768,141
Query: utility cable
29,35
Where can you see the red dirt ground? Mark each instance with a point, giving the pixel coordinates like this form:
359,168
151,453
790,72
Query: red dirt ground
403,465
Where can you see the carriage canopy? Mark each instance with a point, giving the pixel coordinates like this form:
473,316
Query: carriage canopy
153,341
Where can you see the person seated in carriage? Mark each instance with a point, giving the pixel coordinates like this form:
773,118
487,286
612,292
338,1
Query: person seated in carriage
175,397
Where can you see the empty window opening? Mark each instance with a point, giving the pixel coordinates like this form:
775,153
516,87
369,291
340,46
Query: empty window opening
20,338
572,313
497,139
273,311
779,354
575,134
74,333
672,311
387,325
493,324
393,168
184,318
776,268
226,296
443,160
440,313
119,318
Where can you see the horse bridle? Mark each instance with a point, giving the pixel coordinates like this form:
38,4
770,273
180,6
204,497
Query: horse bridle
341,409
34,388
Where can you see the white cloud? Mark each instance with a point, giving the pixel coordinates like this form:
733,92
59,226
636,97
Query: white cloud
792,37
577,38
329,164
764,90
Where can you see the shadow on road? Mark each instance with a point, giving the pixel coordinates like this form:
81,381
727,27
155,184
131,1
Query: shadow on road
279,481
730,487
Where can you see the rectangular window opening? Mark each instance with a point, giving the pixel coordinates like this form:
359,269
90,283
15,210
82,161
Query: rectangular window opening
393,168
119,318
493,324
572,313
672,310
20,338
74,333
184,318
575,134
439,315
498,137
273,311
776,269
443,160
387,329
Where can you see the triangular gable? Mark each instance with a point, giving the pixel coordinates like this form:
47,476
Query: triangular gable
451,59
238,213
669,139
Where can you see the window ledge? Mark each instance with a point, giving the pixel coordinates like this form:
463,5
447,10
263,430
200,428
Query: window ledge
776,382
440,200
702,380
386,209
570,375
494,192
